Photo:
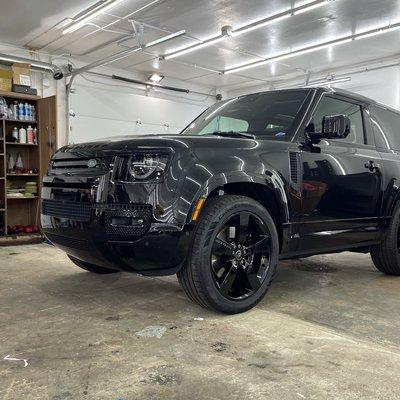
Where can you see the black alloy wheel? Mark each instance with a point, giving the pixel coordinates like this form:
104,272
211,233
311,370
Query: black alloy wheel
233,256
240,256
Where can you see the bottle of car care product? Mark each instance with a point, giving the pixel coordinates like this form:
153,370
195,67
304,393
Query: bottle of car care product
22,135
35,136
21,111
14,135
29,135
26,112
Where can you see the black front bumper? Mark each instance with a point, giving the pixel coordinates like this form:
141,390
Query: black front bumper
120,236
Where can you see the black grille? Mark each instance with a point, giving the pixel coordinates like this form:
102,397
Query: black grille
74,163
70,242
67,209
294,173
141,213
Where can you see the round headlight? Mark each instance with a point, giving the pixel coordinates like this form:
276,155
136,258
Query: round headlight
144,166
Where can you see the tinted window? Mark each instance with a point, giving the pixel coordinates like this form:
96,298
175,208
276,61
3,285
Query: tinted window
331,106
386,126
271,115
225,124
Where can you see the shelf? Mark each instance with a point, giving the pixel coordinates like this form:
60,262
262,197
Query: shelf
19,95
22,238
21,175
21,144
20,121
22,198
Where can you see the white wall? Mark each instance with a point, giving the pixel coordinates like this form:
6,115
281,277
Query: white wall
382,85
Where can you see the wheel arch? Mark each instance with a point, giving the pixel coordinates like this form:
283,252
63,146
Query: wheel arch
267,189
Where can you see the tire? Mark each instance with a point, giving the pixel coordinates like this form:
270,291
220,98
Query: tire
199,277
91,267
386,255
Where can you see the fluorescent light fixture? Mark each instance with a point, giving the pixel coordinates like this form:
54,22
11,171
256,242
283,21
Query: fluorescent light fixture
248,28
377,32
279,17
156,78
91,14
316,47
194,47
290,54
260,24
165,38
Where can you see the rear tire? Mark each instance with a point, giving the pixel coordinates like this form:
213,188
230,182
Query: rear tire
231,265
91,267
386,255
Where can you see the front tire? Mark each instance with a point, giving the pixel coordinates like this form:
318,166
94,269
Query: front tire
91,267
386,255
234,254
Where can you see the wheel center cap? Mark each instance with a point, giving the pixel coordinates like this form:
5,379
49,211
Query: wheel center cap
239,255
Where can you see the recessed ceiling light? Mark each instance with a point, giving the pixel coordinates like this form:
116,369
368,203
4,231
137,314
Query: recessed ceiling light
156,78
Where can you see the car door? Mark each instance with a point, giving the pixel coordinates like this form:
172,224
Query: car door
341,185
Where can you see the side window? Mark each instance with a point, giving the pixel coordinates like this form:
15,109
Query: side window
331,106
225,124
386,127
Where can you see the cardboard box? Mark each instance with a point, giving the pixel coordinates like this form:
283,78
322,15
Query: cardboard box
5,79
21,74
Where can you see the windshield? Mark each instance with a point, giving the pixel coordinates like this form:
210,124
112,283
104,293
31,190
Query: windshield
270,115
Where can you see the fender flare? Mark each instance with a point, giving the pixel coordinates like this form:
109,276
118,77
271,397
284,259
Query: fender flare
271,180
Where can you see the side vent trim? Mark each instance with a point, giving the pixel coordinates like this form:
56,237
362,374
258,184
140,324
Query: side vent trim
295,170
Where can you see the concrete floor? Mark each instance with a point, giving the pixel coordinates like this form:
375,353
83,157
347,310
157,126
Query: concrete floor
328,329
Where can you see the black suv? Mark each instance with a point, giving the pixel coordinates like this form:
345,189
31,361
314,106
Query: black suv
253,179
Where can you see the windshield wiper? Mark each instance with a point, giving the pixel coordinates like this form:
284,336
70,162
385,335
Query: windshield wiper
234,134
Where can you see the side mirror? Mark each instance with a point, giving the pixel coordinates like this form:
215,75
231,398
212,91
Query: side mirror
336,127
333,127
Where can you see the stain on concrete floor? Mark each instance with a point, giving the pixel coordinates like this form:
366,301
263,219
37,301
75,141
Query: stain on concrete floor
317,335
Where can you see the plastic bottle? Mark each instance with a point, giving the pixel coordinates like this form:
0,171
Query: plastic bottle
26,112
19,164
22,135
33,113
20,111
11,163
15,109
29,135
14,135
3,104
35,136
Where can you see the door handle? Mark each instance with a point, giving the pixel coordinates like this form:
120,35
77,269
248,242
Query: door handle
372,166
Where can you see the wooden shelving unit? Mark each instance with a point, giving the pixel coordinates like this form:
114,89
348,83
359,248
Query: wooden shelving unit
25,210
18,210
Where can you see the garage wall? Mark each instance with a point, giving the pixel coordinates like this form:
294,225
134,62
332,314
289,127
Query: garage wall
382,85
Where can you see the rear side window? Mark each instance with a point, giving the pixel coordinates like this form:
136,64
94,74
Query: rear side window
386,126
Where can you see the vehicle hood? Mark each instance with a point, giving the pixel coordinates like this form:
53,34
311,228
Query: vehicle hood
175,143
